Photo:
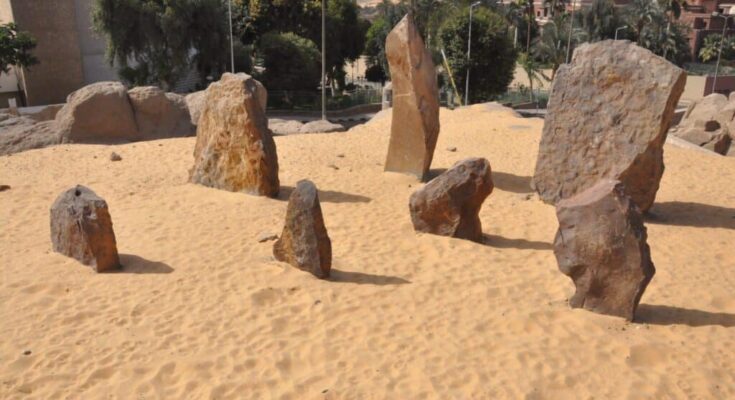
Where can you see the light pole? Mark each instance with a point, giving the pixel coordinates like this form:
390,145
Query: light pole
571,29
324,67
232,46
469,46
722,40
619,29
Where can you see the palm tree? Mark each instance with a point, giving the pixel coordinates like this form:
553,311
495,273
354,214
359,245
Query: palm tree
672,9
600,20
551,47
532,69
641,13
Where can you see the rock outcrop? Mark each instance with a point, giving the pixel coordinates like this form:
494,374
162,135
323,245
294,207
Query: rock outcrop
234,148
321,126
608,116
159,114
415,124
284,127
195,103
709,123
81,228
601,245
304,242
28,135
449,204
100,112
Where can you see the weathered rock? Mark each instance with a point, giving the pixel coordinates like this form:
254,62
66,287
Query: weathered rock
707,108
449,204
415,120
304,242
234,149
284,127
4,188
195,103
321,126
720,143
100,112
608,116
42,113
601,245
695,135
81,228
29,135
159,114
115,157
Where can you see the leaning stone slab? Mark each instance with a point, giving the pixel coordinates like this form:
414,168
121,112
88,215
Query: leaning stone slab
601,245
449,204
608,116
81,228
234,149
304,242
415,121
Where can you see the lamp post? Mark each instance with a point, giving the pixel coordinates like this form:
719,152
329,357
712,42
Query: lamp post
324,66
469,46
571,29
722,40
619,29
232,46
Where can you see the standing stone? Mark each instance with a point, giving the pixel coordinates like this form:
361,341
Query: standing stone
607,117
304,242
601,245
449,204
81,228
415,121
234,149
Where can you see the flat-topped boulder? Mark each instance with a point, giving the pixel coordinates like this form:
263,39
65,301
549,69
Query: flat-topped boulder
304,242
234,149
81,228
450,203
608,116
415,118
97,113
601,245
159,114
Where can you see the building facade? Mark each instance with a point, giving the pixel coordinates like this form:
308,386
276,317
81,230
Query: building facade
71,55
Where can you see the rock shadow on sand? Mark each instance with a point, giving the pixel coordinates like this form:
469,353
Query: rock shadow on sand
132,264
512,183
508,243
691,214
666,315
328,196
362,278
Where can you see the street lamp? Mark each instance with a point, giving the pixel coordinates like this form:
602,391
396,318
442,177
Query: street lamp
232,46
571,29
618,29
722,40
324,68
469,46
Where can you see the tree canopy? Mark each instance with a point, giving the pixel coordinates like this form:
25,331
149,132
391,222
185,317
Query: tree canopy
160,41
15,47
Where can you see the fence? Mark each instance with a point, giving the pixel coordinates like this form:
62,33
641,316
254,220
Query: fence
312,101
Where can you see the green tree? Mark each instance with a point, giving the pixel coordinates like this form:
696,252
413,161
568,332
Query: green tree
281,53
163,38
551,46
15,47
640,14
493,56
601,20
532,69
711,47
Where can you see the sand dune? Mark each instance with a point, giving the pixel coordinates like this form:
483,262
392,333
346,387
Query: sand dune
202,310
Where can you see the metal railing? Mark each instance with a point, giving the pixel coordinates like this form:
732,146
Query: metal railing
311,101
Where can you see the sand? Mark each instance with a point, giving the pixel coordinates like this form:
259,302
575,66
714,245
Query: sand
202,310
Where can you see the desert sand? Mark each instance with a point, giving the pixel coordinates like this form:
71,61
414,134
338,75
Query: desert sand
202,310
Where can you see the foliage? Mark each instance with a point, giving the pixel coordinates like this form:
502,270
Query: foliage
601,19
345,32
650,25
390,15
711,47
15,47
493,56
532,69
551,47
291,62
375,73
243,58
163,38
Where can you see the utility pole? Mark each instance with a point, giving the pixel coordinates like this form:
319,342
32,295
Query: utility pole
571,29
232,46
324,63
722,40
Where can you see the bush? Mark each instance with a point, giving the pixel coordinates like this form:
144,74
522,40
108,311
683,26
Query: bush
291,62
375,73
493,56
